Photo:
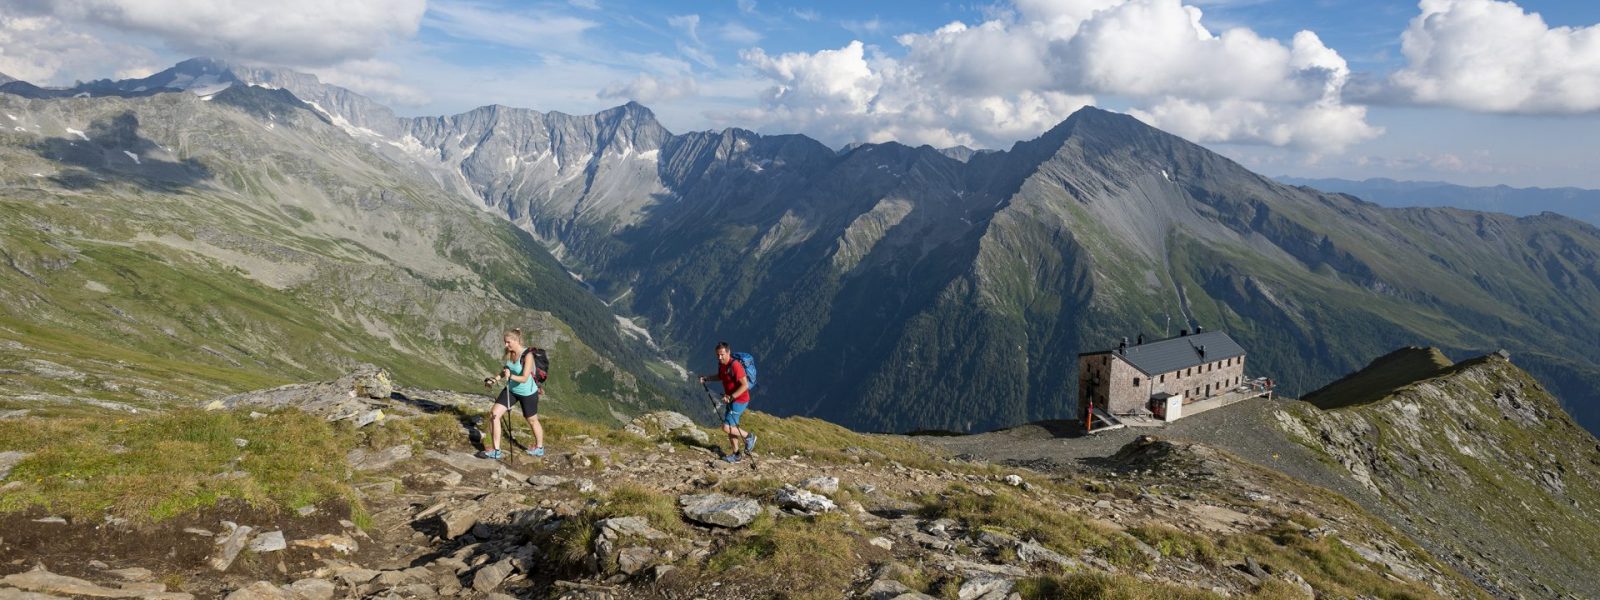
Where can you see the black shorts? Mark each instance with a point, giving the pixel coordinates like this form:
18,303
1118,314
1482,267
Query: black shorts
530,404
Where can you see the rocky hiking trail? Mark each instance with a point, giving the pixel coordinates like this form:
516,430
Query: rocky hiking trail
648,511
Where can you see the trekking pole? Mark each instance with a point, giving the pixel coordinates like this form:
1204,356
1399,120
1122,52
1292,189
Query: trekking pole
710,396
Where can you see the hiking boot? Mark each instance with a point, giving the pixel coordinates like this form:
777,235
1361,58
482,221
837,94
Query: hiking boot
536,451
731,458
750,443
495,454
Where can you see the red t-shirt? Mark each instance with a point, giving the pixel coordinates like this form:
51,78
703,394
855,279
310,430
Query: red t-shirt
730,374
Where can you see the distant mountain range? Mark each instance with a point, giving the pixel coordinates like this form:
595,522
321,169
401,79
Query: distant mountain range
166,248
1578,203
887,287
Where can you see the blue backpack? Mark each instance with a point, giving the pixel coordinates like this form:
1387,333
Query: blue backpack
749,361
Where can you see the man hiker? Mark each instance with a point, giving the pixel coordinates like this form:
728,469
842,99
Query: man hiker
735,398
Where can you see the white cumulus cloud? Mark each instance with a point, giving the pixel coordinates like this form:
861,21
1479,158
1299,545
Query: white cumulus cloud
647,88
297,32
1492,56
843,94
1030,65
43,50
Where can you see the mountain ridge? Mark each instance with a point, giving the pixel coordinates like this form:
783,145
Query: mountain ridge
1574,202
1096,229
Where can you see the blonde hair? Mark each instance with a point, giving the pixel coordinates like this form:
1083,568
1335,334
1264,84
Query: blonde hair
514,333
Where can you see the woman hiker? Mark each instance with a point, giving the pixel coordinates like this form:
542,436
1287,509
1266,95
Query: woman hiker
520,389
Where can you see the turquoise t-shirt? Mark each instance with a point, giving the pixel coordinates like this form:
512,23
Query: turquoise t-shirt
526,388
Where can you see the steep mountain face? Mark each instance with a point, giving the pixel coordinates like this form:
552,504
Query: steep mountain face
888,287
1577,203
1476,459
174,247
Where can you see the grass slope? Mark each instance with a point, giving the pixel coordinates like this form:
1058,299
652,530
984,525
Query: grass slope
1380,379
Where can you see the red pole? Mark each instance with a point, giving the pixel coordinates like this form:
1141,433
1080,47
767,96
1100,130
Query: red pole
1088,420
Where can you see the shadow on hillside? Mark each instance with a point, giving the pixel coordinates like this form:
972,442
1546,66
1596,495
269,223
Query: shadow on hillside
112,152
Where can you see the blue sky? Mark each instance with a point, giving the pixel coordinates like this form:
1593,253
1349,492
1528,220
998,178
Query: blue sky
1469,91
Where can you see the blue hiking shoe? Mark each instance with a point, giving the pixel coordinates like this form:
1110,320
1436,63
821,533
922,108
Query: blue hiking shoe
731,458
539,451
495,454
750,443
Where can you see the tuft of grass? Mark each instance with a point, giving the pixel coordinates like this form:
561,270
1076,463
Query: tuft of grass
154,467
1173,542
632,499
1103,586
573,541
800,558
1011,512
1328,565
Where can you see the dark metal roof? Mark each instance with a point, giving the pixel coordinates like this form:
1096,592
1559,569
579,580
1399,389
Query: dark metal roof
1182,352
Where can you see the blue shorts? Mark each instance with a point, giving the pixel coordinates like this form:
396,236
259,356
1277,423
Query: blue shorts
730,416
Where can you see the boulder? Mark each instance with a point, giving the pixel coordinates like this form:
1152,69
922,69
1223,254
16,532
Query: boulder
331,541
719,509
885,589
634,559
791,497
369,417
1030,552
459,520
371,382
821,485
666,425
489,578
44,582
260,590
312,589
228,548
985,587
133,574
8,460
16,594
271,541
349,397
354,576
620,527
362,459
